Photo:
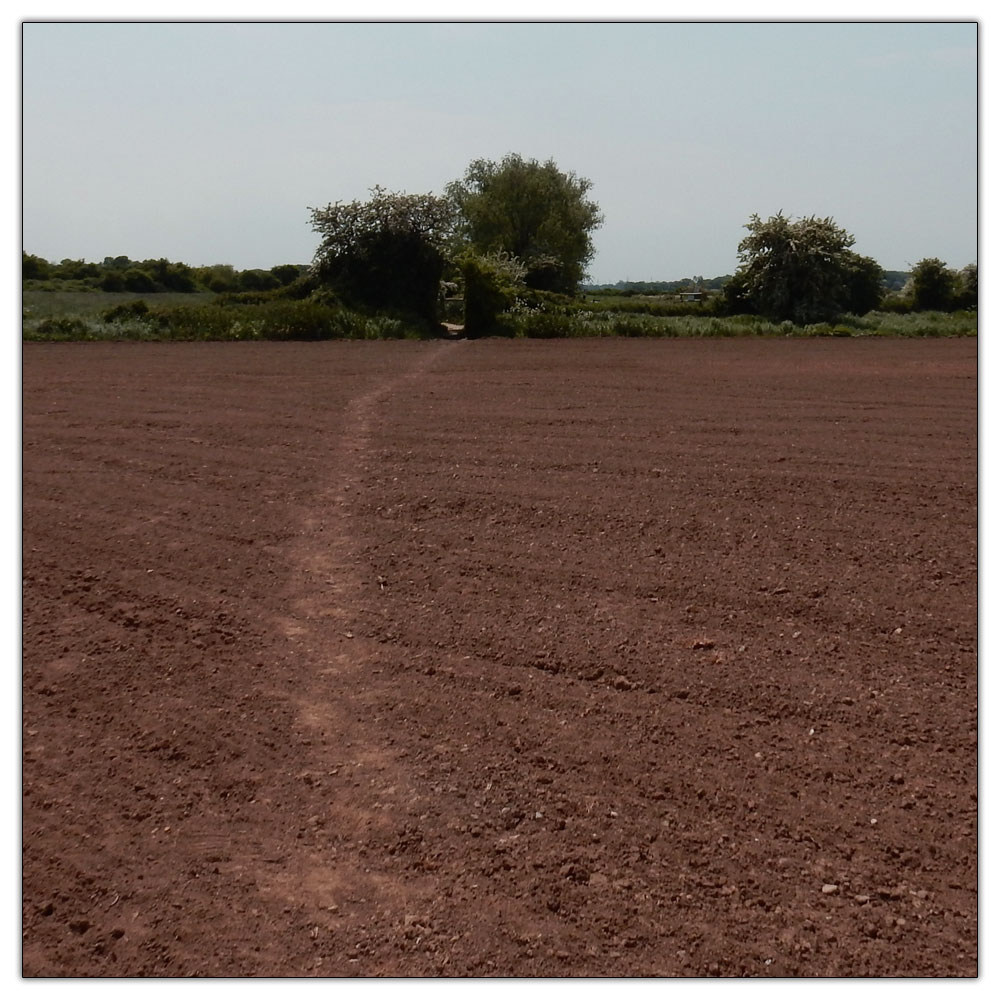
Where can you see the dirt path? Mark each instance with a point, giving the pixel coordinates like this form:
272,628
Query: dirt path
325,602
500,658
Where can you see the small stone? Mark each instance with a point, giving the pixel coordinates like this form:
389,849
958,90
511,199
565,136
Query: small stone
830,888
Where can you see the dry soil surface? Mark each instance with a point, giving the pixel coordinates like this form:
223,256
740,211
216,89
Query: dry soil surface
602,658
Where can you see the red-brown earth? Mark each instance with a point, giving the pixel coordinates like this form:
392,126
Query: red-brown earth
603,658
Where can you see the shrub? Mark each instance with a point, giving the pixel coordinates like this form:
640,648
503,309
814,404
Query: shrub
542,325
136,280
492,284
34,268
126,311
63,328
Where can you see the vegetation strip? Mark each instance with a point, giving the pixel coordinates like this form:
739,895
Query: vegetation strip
502,253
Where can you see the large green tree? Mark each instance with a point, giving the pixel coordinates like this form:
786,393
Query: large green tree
803,270
387,253
532,211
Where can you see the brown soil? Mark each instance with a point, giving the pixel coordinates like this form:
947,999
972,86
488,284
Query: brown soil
602,658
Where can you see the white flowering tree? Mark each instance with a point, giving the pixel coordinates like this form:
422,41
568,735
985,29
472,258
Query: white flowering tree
803,270
387,253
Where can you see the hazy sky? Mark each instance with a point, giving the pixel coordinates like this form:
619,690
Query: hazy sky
208,142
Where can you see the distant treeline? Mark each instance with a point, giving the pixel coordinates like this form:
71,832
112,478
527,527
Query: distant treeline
893,281
121,274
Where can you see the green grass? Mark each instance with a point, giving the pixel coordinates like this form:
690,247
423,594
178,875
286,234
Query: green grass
69,315
82,303
113,316
611,324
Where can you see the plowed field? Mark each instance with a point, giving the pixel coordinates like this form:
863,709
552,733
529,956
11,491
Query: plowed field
603,658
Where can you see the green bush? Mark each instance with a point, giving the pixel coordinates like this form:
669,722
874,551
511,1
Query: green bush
136,309
67,315
629,326
63,328
34,267
542,325
136,280
276,319
492,284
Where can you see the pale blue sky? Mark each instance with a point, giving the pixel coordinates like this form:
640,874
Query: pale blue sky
207,142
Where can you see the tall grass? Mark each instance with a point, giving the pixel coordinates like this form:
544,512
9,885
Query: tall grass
604,324
91,315
83,302
109,316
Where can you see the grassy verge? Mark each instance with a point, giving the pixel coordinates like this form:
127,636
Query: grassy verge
110,316
71,315
584,323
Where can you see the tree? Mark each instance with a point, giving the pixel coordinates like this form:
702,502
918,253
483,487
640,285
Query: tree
387,253
932,285
286,273
137,280
75,270
171,276
532,211
864,282
112,281
217,277
803,271
968,287
33,267
257,280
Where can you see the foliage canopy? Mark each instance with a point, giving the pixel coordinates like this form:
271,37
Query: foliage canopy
933,285
532,211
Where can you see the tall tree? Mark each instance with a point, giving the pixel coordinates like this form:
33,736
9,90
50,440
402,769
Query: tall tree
532,211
